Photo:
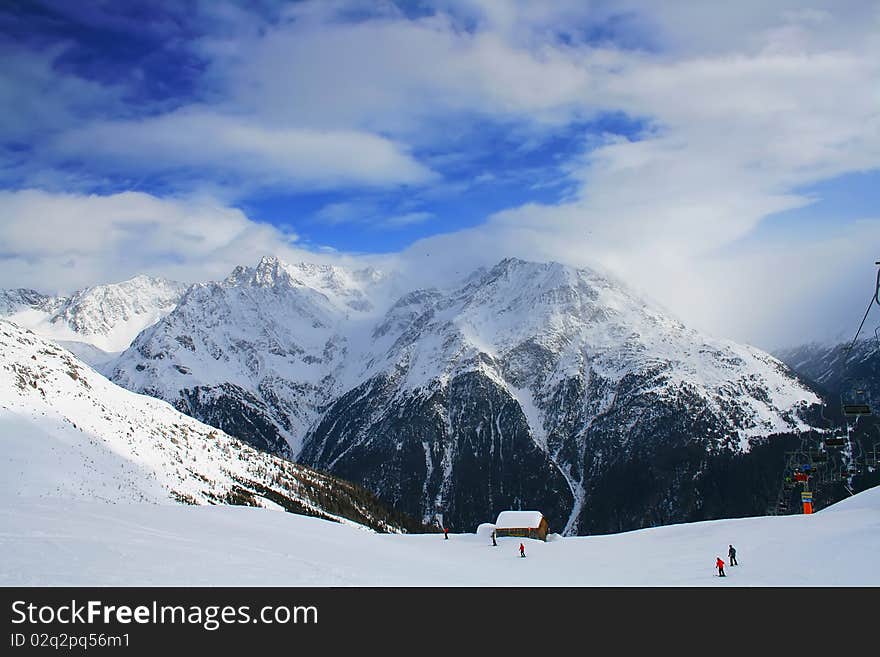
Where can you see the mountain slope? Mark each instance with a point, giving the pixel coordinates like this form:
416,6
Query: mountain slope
98,321
839,370
67,432
536,384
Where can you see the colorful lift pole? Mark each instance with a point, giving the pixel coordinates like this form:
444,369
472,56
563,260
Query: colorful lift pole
807,499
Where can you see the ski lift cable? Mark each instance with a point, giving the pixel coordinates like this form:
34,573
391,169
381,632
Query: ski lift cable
858,405
831,424
875,298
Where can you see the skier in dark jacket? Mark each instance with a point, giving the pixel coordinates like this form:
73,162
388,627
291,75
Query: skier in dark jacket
494,544
522,550
731,552
719,563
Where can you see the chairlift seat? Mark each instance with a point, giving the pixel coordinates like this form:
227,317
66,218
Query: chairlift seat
855,410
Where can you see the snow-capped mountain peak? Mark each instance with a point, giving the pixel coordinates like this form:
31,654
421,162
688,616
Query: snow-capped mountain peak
17,300
343,288
97,319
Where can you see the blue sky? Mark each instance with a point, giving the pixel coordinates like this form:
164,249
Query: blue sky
684,149
836,202
145,52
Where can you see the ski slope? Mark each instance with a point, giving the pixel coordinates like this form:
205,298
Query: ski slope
62,542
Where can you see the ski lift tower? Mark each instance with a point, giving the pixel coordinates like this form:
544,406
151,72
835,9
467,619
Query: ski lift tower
834,459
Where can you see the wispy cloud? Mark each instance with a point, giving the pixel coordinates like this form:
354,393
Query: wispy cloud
245,153
369,213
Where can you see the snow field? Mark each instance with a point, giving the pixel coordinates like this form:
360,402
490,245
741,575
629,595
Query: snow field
62,542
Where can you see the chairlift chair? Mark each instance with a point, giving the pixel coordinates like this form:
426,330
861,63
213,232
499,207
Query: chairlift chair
856,404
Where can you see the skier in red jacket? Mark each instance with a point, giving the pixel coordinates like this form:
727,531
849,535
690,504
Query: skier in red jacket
522,550
720,564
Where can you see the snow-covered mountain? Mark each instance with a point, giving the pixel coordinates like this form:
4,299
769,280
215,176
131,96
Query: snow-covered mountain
529,384
845,373
67,432
97,322
259,354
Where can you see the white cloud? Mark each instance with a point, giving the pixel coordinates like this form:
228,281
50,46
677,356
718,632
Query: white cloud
775,293
397,75
61,242
345,212
251,153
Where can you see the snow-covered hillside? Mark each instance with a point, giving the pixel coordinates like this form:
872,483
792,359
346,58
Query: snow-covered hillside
66,543
97,322
67,433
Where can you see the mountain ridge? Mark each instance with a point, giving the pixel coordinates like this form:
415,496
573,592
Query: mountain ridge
97,321
303,361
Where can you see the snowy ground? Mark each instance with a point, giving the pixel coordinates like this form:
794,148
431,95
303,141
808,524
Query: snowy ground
56,542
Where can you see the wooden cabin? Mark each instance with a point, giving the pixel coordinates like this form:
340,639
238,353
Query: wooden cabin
523,524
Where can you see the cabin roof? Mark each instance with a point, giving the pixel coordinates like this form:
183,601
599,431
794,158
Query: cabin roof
519,520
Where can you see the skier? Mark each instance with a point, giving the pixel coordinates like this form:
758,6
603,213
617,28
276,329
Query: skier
522,550
719,562
446,533
494,544
731,552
